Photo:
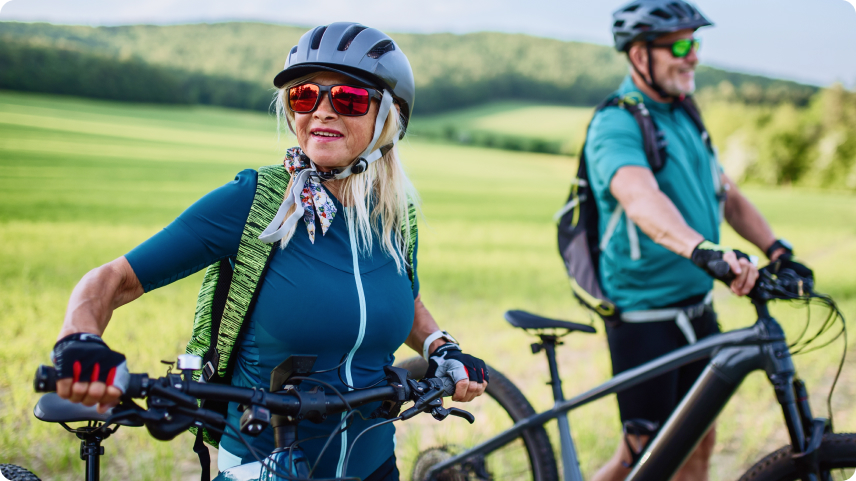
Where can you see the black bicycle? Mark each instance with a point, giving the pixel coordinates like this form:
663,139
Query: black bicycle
523,451
172,406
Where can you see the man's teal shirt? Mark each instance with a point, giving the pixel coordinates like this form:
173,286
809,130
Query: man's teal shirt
660,277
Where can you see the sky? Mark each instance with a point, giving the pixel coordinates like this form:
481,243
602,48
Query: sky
811,41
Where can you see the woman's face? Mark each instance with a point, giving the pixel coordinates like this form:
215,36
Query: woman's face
332,140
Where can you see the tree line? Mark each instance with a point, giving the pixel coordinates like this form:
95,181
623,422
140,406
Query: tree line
232,64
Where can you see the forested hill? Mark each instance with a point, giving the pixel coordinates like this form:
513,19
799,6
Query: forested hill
233,63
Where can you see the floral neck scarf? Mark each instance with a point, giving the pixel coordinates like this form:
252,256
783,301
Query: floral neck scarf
313,197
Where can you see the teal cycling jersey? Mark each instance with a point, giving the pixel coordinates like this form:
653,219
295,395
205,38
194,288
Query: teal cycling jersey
655,277
308,303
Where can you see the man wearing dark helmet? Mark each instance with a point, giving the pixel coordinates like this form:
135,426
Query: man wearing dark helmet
659,222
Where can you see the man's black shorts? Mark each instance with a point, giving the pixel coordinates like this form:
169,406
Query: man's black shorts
632,344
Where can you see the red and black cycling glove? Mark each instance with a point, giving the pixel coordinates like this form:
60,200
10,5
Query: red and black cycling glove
86,358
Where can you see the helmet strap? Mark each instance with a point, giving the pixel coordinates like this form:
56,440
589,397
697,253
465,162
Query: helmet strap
370,154
652,83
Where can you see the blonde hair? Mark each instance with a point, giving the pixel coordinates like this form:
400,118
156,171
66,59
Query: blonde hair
381,195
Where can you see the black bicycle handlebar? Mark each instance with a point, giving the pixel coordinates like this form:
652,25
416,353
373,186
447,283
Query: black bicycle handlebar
185,393
784,284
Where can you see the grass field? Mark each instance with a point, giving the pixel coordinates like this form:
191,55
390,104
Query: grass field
564,124
82,182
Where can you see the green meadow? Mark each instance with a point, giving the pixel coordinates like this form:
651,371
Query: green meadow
552,123
84,181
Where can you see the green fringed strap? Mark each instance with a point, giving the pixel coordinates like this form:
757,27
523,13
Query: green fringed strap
200,339
411,241
250,263
251,260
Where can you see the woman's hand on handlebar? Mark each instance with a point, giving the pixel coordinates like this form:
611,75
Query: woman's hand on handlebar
469,373
88,371
745,273
89,394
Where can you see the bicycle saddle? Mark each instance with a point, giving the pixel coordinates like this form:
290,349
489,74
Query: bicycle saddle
527,320
53,409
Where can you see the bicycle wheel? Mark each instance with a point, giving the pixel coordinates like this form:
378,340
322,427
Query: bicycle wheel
17,473
837,458
423,442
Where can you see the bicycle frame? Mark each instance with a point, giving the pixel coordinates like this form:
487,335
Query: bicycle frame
735,354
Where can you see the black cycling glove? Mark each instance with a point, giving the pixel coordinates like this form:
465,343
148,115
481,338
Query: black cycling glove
787,260
708,256
449,360
86,358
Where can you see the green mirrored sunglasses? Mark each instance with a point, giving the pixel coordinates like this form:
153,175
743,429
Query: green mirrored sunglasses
681,48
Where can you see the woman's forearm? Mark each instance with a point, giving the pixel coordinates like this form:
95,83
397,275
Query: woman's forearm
97,295
423,326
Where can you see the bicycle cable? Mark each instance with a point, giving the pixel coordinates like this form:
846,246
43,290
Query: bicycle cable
339,373
267,460
354,443
800,346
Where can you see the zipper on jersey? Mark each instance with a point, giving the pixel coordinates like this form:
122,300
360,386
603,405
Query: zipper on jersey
348,377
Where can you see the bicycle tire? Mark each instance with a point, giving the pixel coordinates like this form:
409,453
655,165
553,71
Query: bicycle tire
837,453
529,457
17,473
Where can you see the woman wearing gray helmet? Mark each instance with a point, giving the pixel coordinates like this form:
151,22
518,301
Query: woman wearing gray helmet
340,280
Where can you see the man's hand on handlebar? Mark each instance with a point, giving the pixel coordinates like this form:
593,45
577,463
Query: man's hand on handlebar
88,371
745,273
727,265
469,373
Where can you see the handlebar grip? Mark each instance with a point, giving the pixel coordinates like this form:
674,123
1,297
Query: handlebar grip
444,384
719,268
45,379
448,386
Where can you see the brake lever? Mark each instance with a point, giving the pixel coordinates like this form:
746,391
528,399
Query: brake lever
430,400
440,413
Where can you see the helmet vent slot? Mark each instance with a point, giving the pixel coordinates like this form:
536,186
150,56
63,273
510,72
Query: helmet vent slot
632,8
316,37
349,36
679,10
618,23
659,13
293,50
381,48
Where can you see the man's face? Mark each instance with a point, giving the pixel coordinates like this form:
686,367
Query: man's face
674,75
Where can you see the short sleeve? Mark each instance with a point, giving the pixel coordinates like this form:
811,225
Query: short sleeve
614,141
209,230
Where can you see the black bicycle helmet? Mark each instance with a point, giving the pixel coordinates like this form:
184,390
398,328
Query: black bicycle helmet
365,54
648,19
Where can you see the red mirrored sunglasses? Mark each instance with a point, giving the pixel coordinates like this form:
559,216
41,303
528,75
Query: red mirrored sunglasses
346,100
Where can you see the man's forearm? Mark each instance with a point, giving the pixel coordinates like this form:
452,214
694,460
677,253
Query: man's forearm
652,211
660,220
746,220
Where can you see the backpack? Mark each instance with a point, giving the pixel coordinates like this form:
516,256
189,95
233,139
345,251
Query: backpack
230,289
579,242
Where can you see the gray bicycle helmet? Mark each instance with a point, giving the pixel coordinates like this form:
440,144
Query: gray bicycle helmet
648,19
365,54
